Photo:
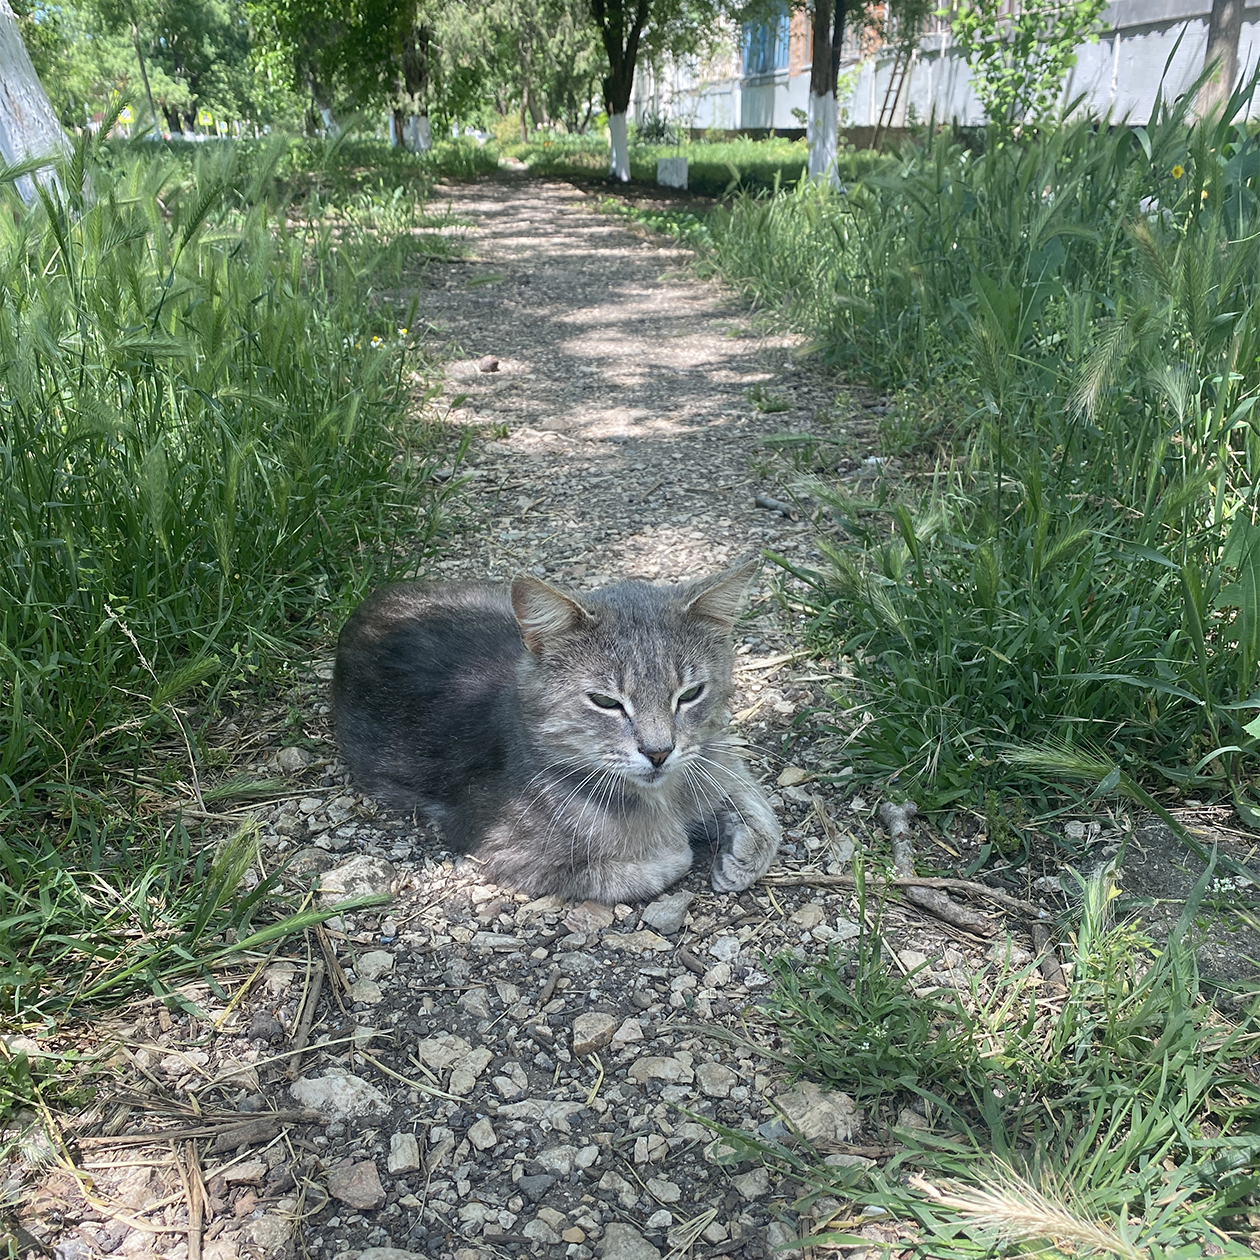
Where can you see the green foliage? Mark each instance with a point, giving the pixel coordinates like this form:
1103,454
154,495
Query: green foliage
205,460
1080,307
202,413
1121,1118
197,53
1019,61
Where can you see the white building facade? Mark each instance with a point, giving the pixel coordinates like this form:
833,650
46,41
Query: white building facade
763,82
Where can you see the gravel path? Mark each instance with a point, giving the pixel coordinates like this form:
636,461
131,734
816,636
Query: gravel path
490,1076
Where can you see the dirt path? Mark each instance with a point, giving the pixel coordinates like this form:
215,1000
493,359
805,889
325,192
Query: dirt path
623,385
499,1077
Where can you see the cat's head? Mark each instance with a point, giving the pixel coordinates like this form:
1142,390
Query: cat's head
631,679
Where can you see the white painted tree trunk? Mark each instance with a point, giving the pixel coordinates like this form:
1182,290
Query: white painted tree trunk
417,133
821,130
28,126
618,148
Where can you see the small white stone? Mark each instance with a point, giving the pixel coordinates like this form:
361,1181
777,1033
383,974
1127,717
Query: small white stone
662,1218
539,1231
366,991
339,1097
404,1153
715,1080
808,917
482,1134
664,1191
373,965
725,948
558,1160
752,1185
476,1003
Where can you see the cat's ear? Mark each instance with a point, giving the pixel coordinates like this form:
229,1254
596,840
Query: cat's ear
542,612
720,598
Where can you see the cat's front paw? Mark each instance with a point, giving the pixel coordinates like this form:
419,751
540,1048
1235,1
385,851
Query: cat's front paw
743,856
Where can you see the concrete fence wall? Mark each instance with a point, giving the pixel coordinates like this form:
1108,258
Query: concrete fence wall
1144,43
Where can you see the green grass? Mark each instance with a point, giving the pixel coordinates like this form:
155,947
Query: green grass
1118,1119
206,458
1069,323
714,168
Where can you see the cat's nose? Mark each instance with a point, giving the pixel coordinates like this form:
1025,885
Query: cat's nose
657,756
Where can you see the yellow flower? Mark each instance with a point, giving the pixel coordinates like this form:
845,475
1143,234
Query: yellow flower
376,341
402,332
1178,171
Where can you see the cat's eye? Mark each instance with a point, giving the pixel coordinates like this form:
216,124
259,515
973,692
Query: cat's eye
603,701
692,693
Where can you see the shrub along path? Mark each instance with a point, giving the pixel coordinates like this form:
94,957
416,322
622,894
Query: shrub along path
504,1077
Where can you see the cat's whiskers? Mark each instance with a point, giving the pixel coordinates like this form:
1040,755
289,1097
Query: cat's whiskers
580,763
591,802
703,769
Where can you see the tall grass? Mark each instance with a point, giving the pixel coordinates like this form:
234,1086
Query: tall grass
205,458
1079,565
1119,1118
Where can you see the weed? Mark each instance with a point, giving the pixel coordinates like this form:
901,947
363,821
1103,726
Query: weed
204,461
1121,1112
1084,567
766,402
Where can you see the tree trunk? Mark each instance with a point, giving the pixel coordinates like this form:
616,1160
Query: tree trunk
415,73
1224,31
821,121
618,149
28,126
620,35
144,70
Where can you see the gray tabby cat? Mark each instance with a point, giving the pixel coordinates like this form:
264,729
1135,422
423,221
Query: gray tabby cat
575,743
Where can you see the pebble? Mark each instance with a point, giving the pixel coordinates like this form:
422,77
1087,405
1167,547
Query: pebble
374,964
361,876
666,914
624,1242
404,1153
819,1115
808,916
589,917
357,1186
367,992
293,760
716,1080
661,1068
592,1032
752,1185
340,1097
482,1135
664,1191
725,948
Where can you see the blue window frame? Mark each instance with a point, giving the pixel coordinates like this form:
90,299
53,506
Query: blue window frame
764,45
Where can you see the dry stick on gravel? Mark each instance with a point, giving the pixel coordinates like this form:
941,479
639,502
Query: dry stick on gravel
810,879
775,505
1047,958
195,1194
934,900
306,1019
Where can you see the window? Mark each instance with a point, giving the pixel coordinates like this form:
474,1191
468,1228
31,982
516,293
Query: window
765,45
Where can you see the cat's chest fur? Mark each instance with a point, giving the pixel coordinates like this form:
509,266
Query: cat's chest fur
577,746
